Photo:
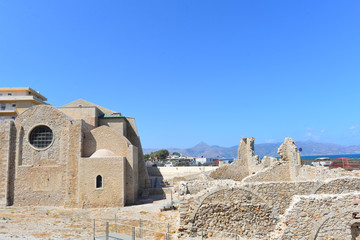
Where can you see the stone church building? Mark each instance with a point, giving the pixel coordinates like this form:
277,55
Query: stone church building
78,155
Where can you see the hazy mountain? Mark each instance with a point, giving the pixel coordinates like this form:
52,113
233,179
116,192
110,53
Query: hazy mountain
263,149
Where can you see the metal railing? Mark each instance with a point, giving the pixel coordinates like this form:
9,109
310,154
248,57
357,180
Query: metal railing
345,163
7,109
110,229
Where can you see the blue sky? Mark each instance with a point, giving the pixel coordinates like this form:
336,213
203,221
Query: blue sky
191,71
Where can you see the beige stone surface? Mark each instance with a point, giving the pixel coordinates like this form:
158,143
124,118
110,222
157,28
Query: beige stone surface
112,172
64,223
276,199
83,103
61,174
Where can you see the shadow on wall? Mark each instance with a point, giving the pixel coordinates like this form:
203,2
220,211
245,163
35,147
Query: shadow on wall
156,183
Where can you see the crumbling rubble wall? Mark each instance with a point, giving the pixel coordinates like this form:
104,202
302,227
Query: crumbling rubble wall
276,173
251,210
247,163
321,173
247,167
325,216
270,199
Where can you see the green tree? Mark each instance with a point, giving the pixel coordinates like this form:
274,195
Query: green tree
146,157
159,155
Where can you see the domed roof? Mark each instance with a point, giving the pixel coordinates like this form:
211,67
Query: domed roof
103,153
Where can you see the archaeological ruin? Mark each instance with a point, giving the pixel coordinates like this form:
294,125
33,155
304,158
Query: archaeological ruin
271,199
78,155
82,155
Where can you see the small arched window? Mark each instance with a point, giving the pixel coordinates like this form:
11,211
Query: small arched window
99,182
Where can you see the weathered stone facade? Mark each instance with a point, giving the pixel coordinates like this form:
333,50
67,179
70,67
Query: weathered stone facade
281,200
64,164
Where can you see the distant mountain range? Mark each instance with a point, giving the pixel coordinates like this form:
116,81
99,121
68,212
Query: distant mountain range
264,149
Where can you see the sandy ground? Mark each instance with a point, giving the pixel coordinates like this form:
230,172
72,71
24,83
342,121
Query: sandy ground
65,223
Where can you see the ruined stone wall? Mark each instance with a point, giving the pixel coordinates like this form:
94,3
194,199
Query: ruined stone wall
246,164
275,173
251,210
235,171
111,169
322,173
246,154
326,216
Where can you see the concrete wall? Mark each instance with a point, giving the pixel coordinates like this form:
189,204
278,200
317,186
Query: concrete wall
112,171
23,104
171,172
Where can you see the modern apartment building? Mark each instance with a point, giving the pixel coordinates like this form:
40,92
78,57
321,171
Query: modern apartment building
15,100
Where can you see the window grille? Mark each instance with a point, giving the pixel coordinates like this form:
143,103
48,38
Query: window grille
41,137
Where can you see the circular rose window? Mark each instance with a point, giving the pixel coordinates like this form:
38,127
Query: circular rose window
41,137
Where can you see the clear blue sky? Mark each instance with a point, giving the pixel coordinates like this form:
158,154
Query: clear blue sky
191,71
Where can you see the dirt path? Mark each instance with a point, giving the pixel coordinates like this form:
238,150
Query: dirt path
64,223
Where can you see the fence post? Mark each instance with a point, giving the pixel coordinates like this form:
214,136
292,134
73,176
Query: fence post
107,231
168,227
171,198
115,224
140,226
133,233
94,229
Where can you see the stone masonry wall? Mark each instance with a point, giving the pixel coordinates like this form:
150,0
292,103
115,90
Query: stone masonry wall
275,173
325,216
7,158
48,176
133,136
112,171
251,210
246,164
104,137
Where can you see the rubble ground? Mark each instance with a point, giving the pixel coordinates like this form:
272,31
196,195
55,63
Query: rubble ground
66,223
